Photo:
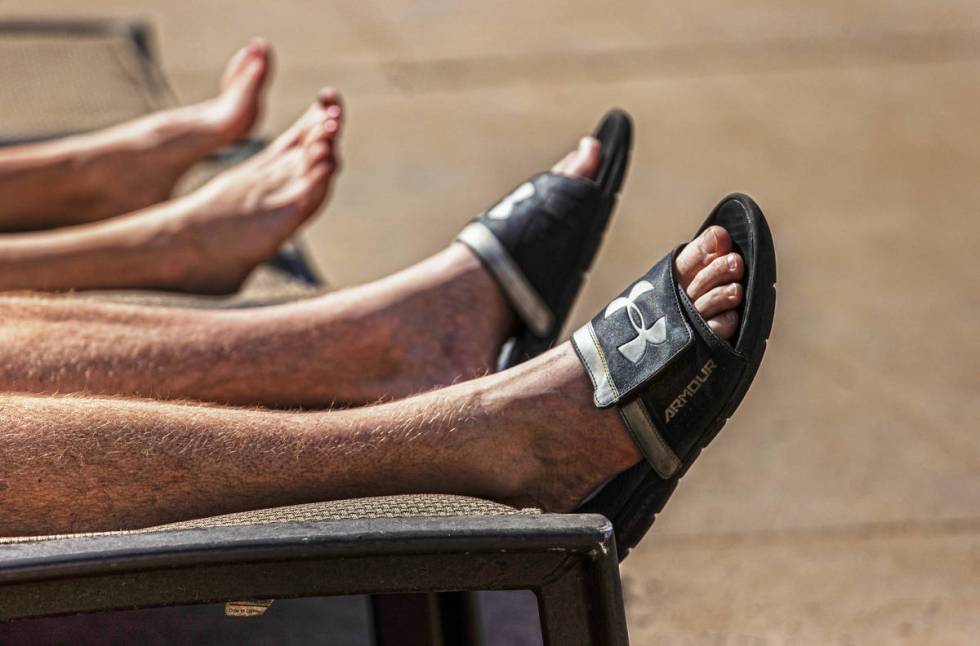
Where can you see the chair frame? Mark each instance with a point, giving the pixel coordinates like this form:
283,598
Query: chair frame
568,561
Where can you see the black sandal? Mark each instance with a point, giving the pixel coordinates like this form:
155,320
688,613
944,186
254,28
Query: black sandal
540,240
674,381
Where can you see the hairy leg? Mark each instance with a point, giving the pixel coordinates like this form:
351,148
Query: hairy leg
89,177
205,242
438,321
526,436
430,325
72,464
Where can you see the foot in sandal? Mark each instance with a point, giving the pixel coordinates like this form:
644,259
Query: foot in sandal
667,363
541,239
605,423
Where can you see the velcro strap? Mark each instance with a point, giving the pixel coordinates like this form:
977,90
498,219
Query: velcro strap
635,337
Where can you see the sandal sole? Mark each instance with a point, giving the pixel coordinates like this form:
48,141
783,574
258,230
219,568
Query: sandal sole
637,513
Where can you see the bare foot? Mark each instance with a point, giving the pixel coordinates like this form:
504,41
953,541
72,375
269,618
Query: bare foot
568,447
139,163
223,230
124,168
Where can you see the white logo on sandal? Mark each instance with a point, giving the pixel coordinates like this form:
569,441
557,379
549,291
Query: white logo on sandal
506,206
692,387
653,335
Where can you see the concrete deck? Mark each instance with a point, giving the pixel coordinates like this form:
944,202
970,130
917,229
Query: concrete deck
842,504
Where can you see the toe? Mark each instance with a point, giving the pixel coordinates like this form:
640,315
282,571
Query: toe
583,161
256,48
299,132
332,128
310,192
235,65
700,252
333,106
725,324
330,97
321,121
720,271
315,133
320,141
719,300
561,168
248,68
586,160
315,153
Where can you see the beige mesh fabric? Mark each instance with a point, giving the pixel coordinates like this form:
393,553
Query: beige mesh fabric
406,506
60,78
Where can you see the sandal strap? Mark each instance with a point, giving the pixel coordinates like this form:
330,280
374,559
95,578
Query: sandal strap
522,236
651,354
525,300
637,336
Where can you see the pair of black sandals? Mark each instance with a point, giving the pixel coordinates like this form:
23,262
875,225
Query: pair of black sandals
648,353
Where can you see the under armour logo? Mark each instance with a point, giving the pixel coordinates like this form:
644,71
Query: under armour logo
506,206
654,335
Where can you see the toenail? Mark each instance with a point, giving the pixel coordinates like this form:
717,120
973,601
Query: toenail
708,242
732,262
333,111
733,289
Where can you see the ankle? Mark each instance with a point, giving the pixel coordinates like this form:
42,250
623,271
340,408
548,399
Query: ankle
170,243
446,318
561,445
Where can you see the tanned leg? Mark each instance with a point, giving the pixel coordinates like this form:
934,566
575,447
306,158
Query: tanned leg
127,167
438,322
441,320
205,242
72,464
430,325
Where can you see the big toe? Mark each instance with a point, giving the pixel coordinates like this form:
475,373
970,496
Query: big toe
712,243
581,162
249,66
